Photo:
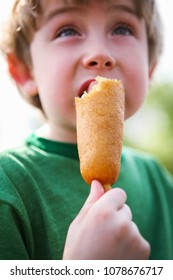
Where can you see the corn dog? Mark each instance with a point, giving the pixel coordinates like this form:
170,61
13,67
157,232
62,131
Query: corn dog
100,122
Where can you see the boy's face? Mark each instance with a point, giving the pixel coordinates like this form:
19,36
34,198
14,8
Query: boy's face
75,43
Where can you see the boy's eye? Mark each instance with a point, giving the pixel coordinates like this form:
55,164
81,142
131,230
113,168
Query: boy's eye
67,31
122,30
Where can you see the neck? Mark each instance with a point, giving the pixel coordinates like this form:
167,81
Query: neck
59,134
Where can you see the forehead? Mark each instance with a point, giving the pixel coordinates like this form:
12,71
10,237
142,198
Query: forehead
46,8
83,2
137,3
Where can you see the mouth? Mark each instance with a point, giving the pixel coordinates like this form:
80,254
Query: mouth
86,87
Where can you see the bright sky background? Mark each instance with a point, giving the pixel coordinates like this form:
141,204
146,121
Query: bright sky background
17,117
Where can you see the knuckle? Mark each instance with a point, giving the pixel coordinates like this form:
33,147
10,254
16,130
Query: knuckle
105,215
146,250
122,229
139,244
128,211
121,193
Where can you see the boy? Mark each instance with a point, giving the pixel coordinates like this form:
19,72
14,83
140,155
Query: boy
53,48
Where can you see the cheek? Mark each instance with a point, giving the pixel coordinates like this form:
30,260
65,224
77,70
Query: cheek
136,86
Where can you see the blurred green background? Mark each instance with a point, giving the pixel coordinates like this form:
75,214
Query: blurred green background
151,129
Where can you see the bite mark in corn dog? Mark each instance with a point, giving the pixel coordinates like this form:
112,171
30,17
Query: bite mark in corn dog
100,122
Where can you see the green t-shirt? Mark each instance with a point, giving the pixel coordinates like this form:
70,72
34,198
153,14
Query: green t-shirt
42,191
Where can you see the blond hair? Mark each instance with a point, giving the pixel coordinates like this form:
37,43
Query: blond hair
22,24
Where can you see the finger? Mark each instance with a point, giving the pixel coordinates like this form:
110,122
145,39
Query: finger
125,210
140,244
96,192
115,197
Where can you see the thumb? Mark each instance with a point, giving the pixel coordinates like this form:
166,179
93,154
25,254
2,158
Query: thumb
96,192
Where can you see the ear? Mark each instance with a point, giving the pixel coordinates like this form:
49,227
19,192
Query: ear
151,69
21,74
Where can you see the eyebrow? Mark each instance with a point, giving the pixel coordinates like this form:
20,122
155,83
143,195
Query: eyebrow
72,9
127,9
62,10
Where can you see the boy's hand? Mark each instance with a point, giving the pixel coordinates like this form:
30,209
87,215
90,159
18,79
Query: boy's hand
104,229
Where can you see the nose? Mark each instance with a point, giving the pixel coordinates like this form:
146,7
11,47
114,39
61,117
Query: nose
99,58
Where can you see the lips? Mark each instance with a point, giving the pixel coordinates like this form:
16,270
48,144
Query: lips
86,87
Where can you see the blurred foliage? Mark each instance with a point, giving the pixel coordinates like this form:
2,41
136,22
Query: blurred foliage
156,121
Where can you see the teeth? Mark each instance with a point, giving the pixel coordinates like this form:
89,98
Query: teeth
88,87
91,85
82,93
